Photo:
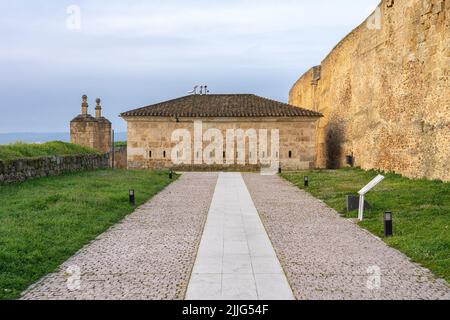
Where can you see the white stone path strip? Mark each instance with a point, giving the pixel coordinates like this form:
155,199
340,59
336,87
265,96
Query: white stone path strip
236,260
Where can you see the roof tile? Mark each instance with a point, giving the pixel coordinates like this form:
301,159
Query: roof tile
221,105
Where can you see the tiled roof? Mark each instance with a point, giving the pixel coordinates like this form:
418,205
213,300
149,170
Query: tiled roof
221,105
88,118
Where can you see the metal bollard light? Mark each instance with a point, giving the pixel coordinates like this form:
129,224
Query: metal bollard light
170,174
388,232
306,181
131,197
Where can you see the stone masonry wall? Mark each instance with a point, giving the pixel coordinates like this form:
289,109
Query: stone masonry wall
120,157
384,92
25,169
91,133
149,141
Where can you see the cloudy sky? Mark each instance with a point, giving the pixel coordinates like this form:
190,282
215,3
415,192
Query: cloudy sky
134,53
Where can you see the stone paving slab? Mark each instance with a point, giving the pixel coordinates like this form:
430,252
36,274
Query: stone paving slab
326,256
149,255
236,260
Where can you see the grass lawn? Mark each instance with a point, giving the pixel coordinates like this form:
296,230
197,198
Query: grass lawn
120,144
24,150
421,210
45,221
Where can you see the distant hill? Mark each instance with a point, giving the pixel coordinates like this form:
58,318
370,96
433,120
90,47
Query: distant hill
35,137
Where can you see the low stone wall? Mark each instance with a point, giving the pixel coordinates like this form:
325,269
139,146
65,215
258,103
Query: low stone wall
25,169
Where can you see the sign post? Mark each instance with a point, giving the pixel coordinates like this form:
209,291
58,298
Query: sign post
363,192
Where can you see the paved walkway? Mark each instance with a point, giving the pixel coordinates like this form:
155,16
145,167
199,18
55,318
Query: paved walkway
149,255
329,257
236,259
203,238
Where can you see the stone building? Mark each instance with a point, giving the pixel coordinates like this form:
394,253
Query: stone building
384,91
151,128
89,131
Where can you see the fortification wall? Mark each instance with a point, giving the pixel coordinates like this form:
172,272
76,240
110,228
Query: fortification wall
384,92
25,169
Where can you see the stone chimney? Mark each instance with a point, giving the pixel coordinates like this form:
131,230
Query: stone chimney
84,105
91,132
98,109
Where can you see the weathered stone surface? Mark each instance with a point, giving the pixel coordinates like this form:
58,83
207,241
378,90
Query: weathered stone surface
94,133
24,169
120,157
385,92
91,132
150,145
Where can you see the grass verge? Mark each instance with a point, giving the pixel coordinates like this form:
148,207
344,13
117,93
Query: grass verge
421,210
45,221
119,144
55,148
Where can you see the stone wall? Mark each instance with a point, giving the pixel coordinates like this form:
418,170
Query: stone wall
25,169
91,132
94,133
150,146
384,92
120,157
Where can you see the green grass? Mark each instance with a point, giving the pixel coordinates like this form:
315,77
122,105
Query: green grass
45,221
120,144
421,210
20,150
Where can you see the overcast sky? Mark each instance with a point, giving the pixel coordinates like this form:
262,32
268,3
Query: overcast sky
134,53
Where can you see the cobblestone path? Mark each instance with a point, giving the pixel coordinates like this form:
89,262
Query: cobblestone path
149,255
329,257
